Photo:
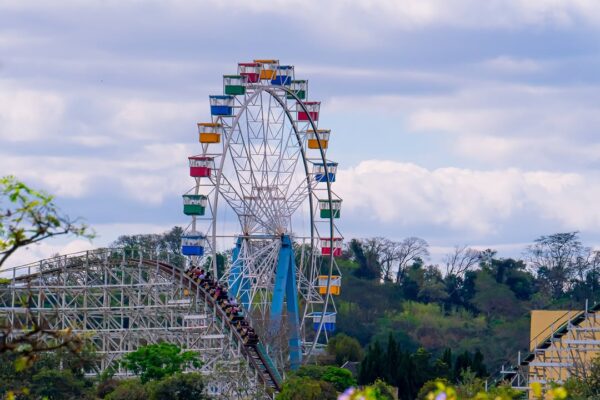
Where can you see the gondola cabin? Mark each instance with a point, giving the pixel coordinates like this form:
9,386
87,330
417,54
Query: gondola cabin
319,171
194,204
284,75
334,287
192,244
331,247
234,84
330,211
250,70
210,132
221,105
328,320
300,88
201,167
268,69
312,109
323,134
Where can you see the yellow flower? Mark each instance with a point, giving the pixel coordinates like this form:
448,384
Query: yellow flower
536,387
559,393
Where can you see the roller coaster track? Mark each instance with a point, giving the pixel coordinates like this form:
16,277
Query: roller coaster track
37,274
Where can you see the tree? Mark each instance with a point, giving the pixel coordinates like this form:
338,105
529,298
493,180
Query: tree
56,374
28,216
54,384
166,242
554,259
156,361
344,348
368,267
461,260
432,288
494,299
407,251
340,378
180,387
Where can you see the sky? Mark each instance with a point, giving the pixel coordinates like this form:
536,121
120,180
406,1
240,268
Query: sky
463,122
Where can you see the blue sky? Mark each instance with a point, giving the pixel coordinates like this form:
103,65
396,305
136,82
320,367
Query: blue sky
460,121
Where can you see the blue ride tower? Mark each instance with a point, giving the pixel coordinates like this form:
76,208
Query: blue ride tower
285,291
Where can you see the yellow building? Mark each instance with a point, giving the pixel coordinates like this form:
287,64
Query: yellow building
563,344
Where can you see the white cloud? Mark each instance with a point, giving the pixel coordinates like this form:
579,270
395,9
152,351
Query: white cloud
27,114
147,174
480,202
513,65
414,14
499,124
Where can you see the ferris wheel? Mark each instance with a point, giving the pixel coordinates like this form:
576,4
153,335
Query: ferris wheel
264,156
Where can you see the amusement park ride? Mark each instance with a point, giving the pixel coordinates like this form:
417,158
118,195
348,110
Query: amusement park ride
263,155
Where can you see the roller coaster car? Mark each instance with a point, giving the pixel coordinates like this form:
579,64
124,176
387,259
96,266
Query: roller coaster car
236,317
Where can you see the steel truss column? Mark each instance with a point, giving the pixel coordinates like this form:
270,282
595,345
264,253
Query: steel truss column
238,282
285,286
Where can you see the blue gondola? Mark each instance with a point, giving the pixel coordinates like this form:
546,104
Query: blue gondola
319,171
221,105
285,75
192,244
328,321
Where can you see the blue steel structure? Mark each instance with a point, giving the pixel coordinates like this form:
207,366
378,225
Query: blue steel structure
285,291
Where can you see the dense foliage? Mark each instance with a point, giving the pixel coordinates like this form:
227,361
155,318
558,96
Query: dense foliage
156,361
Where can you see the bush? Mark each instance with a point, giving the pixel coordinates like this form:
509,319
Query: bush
57,385
130,389
179,387
303,388
344,348
106,386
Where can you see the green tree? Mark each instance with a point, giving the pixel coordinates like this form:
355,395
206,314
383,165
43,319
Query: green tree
368,264
340,378
156,361
344,348
495,299
28,216
555,260
180,387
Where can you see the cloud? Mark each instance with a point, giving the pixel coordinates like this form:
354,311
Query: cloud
146,174
513,65
27,114
479,202
496,124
